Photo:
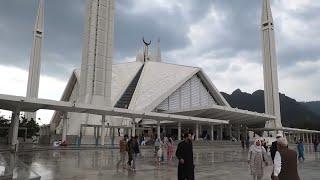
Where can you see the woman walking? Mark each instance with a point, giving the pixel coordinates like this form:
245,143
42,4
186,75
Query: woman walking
256,159
170,149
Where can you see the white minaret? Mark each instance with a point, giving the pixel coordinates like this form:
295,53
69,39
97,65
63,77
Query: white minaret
158,55
35,59
270,72
96,67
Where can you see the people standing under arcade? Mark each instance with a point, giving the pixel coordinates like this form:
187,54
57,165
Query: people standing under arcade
184,154
257,159
156,146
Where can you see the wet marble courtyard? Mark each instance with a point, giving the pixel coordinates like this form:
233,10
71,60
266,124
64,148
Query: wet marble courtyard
219,163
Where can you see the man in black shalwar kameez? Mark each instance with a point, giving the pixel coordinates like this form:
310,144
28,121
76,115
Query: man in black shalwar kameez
184,154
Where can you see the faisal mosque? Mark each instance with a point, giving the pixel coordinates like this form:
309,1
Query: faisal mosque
149,97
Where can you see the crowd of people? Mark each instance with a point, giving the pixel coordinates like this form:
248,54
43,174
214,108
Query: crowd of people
284,160
130,147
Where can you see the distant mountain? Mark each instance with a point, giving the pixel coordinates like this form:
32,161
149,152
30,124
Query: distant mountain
293,114
314,106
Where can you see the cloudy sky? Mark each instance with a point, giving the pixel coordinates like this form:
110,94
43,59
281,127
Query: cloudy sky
222,37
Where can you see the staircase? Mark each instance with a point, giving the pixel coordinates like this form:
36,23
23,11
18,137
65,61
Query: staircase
126,97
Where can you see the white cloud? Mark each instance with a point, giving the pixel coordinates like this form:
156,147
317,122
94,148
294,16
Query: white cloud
14,82
300,81
296,5
235,72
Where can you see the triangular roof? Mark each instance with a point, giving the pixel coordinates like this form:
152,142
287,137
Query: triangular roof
159,80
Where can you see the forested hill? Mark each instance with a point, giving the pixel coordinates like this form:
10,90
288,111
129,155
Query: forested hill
293,114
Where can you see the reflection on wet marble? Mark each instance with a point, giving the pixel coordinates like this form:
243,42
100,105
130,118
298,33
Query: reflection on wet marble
12,168
219,163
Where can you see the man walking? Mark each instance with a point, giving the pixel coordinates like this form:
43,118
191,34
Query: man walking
242,142
285,162
136,151
123,148
300,148
130,150
273,148
184,154
247,143
315,145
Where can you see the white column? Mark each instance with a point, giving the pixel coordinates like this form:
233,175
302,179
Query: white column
179,131
221,132
14,128
212,138
158,129
133,133
230,131
64,128
197,131
238,132
103,129
300,137
246,132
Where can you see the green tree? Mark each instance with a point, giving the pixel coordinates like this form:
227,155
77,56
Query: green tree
4,124
32,126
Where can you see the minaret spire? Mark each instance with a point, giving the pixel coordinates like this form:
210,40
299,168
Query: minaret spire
35,59
158,55
271,91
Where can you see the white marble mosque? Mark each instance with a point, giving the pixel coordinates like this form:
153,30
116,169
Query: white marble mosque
149,95
151,84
